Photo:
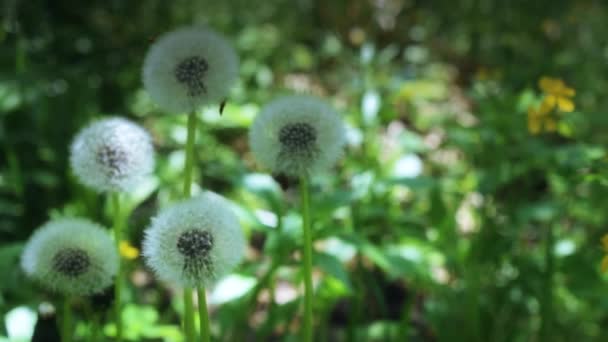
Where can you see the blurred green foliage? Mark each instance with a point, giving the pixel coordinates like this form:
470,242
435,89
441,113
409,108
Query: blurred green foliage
446,220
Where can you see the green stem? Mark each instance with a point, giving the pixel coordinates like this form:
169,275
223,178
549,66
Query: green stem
189,315
307,259
547,296
188,304
204,315
66,322
188,168
120,274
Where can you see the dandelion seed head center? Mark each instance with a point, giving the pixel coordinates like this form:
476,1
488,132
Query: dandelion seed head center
111,157
71,262
191,72
298,136
195,243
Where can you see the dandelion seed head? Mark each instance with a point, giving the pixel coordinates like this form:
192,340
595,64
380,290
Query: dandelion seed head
71,256
112,154
188,68
71,262
194,242
297,134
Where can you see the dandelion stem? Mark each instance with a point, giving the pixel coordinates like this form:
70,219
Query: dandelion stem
204,315
66,322
188,304
307,259
114,197
189,315
189,154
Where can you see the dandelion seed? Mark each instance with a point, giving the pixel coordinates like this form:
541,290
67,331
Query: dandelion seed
112,155
188,68
71,256
194,242
297,134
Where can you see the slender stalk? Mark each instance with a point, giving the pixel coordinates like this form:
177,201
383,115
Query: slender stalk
204,315
546,299
66,322
114,197
188,304
307,259
189,315
188,168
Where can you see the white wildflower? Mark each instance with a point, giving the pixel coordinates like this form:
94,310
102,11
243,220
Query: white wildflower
188,68
71,256
194,242
297,135
112,154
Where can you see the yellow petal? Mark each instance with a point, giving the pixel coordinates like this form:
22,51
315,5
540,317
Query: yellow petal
605,242
604,265
548,104
533,125
550,85
555,86
128,251
565,104
567,91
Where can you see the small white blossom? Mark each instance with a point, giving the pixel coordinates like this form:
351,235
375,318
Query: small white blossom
112,154
194,242
188,68
71,256
297,135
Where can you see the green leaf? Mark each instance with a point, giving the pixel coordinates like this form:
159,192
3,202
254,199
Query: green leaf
333,267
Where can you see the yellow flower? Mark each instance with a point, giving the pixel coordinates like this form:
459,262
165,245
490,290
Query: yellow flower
127,250
604,264
534,121
557,96
540,120
555,86
605,243
557,93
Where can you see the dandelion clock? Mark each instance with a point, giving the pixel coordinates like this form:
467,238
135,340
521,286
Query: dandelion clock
297,135
112,155
194,242
72,256
189,67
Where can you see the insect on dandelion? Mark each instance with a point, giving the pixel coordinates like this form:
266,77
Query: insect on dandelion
194,242
189,67
112,155
72,256
297,135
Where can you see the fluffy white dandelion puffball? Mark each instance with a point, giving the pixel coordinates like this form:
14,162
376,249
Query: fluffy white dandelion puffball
72,256
194,242
189,67
112,154
297,135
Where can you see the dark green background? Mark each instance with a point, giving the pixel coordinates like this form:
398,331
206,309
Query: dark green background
497,240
